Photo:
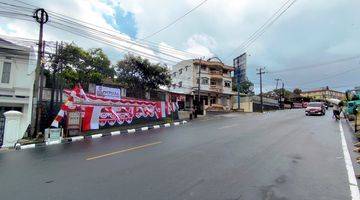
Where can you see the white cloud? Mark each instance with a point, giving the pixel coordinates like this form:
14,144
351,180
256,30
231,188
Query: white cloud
201,44
309,32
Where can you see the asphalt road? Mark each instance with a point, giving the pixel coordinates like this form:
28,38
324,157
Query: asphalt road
273,156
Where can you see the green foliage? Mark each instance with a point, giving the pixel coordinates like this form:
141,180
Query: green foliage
81,66
246,87
297,91
139,74
287,93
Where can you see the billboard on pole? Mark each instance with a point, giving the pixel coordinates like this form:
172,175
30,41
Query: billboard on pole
240,67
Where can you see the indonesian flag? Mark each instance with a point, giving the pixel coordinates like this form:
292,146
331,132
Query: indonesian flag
111,110
77,92
91,118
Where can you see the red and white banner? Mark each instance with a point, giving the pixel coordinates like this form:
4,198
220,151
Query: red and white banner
99,111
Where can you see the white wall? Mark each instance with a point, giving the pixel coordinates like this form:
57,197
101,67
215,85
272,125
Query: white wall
19,88
186,77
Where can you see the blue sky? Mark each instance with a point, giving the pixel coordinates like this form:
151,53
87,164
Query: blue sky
122,21
310,32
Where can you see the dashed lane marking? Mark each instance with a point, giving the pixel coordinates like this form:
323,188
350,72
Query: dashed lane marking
124,150
354,189
229,126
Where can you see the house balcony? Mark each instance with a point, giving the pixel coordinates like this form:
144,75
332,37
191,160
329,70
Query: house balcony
216,88
216,74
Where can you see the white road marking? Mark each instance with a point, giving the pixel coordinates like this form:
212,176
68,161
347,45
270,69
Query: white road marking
115,133
229,126
131,130
53,142
145,128
28,146
77,138
354,189
96,136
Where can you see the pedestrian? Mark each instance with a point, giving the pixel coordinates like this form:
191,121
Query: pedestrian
336,111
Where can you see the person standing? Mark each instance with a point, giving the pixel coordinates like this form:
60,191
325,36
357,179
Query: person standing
336,111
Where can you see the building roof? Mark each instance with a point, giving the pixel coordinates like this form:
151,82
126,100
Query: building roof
12,48
111,82
321,90
212,63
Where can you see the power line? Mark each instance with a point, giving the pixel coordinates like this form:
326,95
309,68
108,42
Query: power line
329,77
315,65
109,43
175,21
261,30
79,22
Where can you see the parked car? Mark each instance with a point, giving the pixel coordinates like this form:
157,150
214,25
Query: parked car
297,105
305,104
315,108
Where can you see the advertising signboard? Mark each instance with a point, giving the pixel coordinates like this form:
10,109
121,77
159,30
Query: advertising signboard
108,92
240,67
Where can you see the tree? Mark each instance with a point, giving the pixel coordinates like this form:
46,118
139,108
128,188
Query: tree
246,87
297,91
287,93
81,66
140,75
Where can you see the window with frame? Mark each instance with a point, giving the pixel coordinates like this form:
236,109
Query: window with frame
5,77
212,82
205,81
197,81
203,67
227,84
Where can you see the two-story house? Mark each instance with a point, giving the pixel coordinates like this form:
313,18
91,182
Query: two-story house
17,64
323,93
215,83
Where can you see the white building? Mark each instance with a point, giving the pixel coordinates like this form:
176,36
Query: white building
215,83
17,64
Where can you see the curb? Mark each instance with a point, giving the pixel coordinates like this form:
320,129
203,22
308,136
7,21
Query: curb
350,125
18,146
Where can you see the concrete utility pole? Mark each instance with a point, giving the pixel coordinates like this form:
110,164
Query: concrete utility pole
238,73
277,82
41,17
283,96
53,79
198,101
260,73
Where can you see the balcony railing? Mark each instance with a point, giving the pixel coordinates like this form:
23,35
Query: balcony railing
216,88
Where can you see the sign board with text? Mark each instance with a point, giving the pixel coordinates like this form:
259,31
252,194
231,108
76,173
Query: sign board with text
108,92
74,120
240,67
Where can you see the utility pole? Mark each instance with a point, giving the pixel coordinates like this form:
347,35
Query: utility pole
277,95
238,71
198,101
277,82
260,73
283,96
41,17
53,79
